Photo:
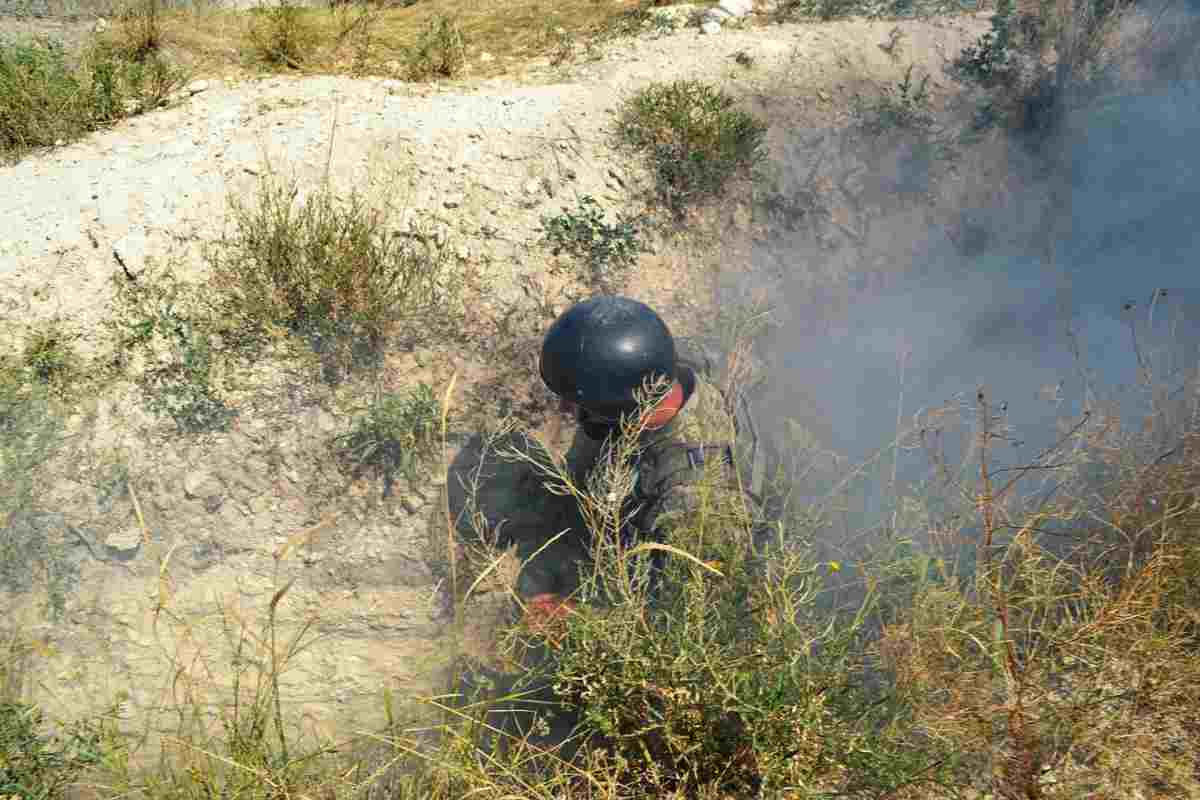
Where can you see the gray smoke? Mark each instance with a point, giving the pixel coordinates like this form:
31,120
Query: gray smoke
985,305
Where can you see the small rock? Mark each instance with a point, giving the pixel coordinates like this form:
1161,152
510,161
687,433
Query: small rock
101,25
324,422
454,200
59,142
737,8
532,186
486,57
440,235
201,484
710,27
196,87
124,543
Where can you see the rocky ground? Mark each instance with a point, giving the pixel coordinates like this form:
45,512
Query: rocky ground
172,574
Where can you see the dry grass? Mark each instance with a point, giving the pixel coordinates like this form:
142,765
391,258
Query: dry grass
513,32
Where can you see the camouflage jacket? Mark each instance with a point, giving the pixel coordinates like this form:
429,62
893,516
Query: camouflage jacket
712,442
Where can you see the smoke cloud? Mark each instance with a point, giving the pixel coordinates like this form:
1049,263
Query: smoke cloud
929,306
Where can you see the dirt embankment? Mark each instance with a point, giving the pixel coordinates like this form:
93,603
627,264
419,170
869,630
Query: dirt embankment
155,623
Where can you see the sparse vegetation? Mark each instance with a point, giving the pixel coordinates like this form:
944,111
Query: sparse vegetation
440,51
36,764
140,29
988,59
639,20
281,33
560,43
1026,643
45,99
725,678
32,547
902,107
333,270
246,746
603,250
396,436
694,138
1009,61
172,341
50,356
827,10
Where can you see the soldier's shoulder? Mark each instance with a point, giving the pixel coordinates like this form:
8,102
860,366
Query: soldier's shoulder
706,416
719,411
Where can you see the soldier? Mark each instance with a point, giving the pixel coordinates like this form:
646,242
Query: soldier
614,364
609,359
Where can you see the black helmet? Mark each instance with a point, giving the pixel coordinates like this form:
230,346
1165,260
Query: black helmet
599,352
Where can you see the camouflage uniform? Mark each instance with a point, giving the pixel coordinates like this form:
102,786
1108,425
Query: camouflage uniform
710,443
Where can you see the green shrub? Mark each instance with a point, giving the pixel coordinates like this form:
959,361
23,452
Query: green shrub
602,249
903,107
50,356
281,34
639,20
139,28
824,10
39,96
989,59
395,436
44,99
440,51
333,270
35,765
723,676
694,138
180,341
872,9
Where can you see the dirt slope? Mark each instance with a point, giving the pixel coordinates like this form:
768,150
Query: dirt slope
486,161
